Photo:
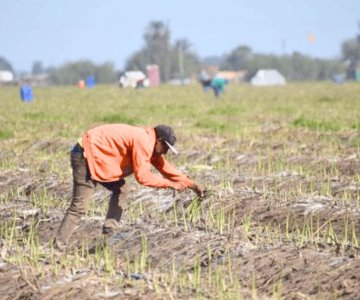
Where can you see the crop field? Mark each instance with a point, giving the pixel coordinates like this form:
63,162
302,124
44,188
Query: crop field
281,219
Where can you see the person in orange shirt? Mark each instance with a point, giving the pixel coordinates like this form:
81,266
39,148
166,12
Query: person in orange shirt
109,153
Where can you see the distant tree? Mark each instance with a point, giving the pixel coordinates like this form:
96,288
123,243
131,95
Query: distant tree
326,69
137,61
213,60
183,60
5,65
72,72
37,68
105,73
157,43
302,67
296,67
157,50
351,55
238,58
178,60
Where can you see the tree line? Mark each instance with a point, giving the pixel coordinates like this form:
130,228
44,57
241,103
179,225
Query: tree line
178,60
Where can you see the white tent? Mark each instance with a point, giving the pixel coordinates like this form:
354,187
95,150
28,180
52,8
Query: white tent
268,77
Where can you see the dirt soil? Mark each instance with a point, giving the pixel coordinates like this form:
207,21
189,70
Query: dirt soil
266,251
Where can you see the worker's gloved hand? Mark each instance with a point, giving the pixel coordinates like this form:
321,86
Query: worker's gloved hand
199,190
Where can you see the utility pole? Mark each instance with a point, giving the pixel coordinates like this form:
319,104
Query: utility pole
181,62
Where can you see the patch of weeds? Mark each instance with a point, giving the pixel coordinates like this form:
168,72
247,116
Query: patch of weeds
65,134
35,116
354,141
155,108
120,118
316,124
356,126
226,110
182,110
326,99
283,109
213,125
6,134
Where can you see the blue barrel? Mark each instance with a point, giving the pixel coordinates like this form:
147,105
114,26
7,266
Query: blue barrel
90,81
26,93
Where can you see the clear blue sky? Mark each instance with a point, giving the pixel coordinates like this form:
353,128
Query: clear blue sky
57,31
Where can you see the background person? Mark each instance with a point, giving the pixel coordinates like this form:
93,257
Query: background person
205,80
218,86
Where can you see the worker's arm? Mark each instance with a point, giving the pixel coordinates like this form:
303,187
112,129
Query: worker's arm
169,171
141,155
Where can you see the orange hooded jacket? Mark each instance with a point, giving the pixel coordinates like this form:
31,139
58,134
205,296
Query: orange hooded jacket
115,151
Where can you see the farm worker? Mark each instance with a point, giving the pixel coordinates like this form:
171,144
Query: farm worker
218,85
109,153
205,80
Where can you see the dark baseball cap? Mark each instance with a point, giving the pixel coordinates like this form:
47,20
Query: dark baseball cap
167,134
